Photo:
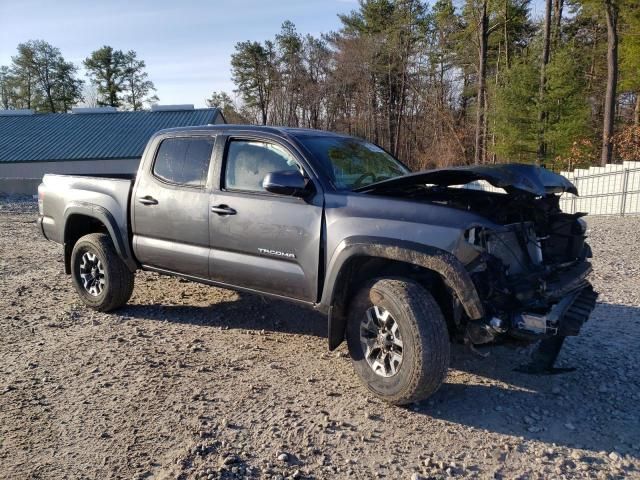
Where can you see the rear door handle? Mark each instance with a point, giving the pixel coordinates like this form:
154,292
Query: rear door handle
223,210
148,200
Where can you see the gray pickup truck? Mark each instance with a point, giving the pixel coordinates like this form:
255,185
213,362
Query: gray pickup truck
401,263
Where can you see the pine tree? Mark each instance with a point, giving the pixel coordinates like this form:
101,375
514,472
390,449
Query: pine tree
630,56
253,68
518,107
136,86
106,69
42,79
516,112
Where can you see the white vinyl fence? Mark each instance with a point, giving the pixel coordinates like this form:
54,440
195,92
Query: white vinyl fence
610,190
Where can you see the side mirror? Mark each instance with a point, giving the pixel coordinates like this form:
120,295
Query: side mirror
286,182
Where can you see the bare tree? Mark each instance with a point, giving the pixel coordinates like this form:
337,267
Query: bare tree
90,95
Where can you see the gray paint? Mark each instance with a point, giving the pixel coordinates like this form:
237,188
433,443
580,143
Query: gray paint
179,233
185,231
69,198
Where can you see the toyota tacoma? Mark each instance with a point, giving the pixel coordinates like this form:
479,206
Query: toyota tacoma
401,263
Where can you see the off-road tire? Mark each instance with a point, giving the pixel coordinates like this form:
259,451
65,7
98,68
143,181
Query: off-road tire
426,345
118,279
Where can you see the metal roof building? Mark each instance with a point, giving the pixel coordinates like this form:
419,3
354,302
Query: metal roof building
86,141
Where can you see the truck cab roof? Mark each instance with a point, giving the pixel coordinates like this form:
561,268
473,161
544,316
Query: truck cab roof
285,131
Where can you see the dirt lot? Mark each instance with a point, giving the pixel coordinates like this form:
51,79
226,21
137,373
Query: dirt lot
190,381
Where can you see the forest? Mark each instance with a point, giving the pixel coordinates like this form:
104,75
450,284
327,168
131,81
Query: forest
479,81
434,83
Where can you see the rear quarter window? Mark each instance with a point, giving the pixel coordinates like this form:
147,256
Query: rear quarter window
184,161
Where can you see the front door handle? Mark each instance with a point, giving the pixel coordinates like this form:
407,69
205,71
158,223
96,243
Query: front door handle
223,210
148,200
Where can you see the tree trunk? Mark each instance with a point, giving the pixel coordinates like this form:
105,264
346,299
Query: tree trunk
557,16
594,58
29,91
611,10
262,102
542,118
506,34
485,130
50,100
636,111
402,94
111,87
482,73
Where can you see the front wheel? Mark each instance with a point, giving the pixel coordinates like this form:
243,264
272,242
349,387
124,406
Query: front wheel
398,340
100,276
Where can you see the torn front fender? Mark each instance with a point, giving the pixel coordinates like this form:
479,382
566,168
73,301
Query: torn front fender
450,269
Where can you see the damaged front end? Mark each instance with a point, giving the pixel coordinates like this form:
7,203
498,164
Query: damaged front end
532,279
531,273
531,260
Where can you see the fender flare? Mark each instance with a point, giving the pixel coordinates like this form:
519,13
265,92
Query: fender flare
450,269
106,218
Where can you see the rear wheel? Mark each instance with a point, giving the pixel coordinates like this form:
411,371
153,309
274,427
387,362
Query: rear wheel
100,277
398,340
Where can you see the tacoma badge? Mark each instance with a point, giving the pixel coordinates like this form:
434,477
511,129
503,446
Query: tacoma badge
276,253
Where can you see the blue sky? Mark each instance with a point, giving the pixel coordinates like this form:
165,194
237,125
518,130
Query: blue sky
186,44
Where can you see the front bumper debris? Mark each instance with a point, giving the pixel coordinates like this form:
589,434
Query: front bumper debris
565,318
576,310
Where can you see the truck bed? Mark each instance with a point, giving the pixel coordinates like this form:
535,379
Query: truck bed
116,176
106,196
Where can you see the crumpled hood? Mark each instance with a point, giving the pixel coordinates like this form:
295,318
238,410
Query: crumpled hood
512,177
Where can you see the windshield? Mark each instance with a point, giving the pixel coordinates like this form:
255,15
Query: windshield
352,163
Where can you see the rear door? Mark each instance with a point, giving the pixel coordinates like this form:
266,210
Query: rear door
171,206
260,240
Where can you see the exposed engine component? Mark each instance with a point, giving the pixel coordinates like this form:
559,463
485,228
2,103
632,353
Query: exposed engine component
516,245
497,325
530,272
536,324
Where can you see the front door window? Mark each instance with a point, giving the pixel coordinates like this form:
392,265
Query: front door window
248,162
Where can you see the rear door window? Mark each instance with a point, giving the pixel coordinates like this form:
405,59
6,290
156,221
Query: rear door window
184,161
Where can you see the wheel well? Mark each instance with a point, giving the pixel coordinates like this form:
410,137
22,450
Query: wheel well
76,227
361,269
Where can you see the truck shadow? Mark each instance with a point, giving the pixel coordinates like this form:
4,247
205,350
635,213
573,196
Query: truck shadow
249,312
593,407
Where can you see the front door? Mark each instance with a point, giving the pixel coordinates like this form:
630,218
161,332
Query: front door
260,240
171,207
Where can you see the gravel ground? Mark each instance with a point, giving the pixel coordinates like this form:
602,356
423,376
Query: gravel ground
190,381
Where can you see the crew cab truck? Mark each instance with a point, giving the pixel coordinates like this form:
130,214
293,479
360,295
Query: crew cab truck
401,263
